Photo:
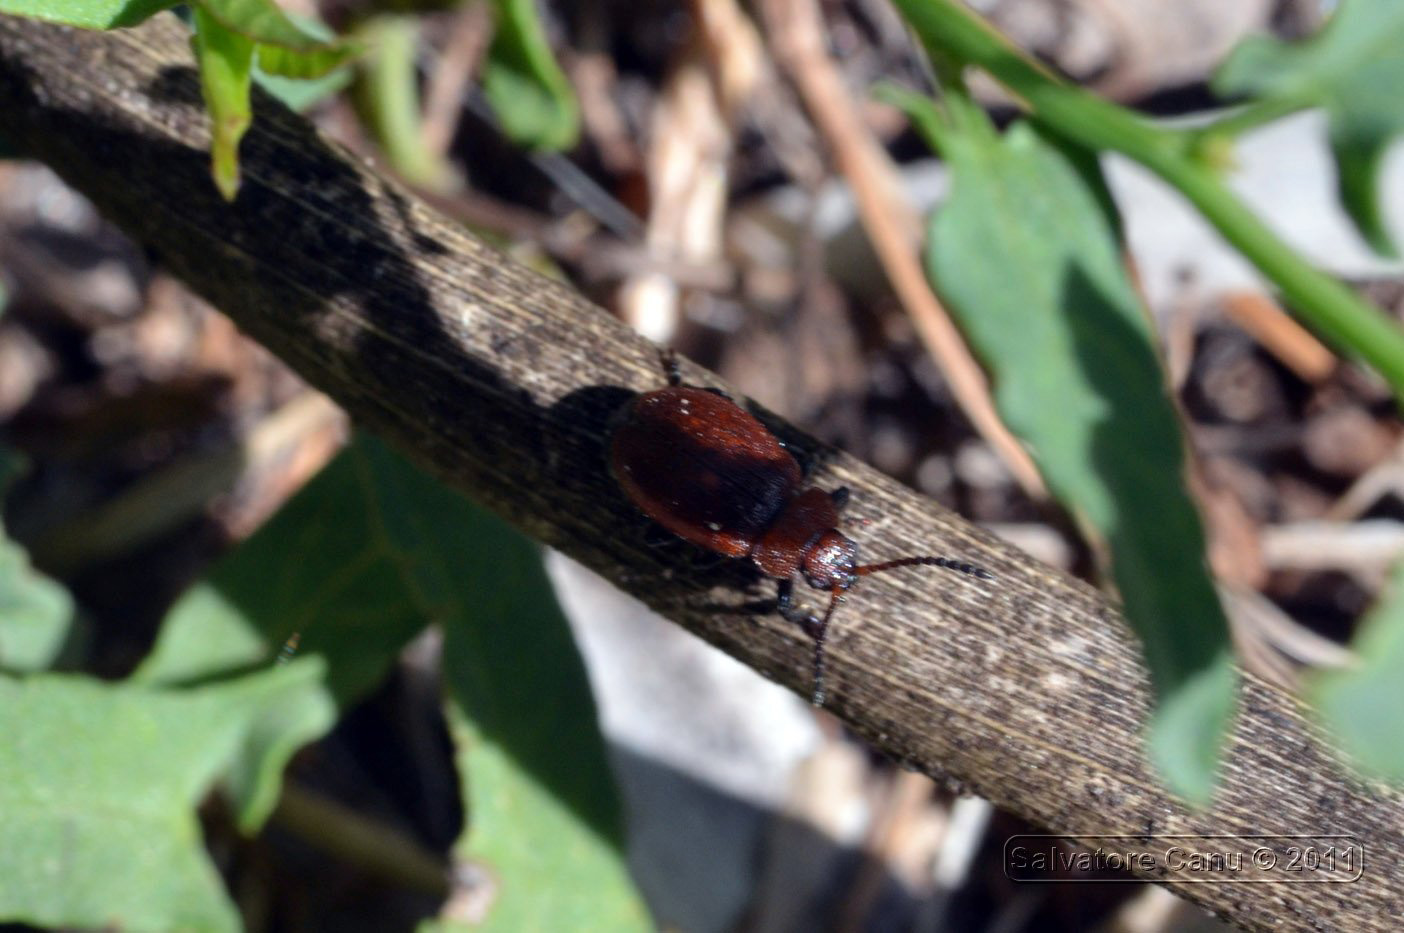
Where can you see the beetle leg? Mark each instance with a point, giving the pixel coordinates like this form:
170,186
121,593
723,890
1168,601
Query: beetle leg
784,600
656,536
669,358
840,497
814,626
703,560
803,456
785,605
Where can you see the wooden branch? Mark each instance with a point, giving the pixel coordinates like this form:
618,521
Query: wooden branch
1027,690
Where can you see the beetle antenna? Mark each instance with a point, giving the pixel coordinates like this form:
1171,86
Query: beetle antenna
957,565
820,633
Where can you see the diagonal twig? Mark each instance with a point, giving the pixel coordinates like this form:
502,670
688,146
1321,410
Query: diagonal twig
1027,690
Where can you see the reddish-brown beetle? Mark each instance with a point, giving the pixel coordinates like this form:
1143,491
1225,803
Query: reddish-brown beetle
709,472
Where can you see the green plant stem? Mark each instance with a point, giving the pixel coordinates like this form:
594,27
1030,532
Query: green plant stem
1355,326
388,98
1253,115
365,843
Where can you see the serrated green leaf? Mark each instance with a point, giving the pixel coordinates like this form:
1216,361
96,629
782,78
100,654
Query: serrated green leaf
36,614
1355,70
1363,705
275,728
543,817
88,14
1025,253
204,635
226,64
358,562
545,869
99,784
324,569
528,92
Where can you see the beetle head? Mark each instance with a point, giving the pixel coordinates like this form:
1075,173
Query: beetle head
829,562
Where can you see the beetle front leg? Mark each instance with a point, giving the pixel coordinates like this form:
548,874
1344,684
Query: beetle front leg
785,605
815,627
669,358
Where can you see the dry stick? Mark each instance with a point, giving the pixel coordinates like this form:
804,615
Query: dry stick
469,33
166,498
797,36
1284,338
1027,690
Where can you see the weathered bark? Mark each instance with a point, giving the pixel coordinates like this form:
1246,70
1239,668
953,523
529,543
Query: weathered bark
1027,690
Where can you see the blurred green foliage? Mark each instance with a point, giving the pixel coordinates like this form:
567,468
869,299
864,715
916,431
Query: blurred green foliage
531,97
1076,376
1354,70
1026,252
37,616
1363,704
100,781
357,564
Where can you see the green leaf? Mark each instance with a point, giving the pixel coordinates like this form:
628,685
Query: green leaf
88,14
36,614
226,62
299,94
544,819
1025,253
99,784
261,21
325,569
545,868
1354,69
358,562
531,97
1363,705
275,728
1191,722
227,32
206,634
227,35
309,64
